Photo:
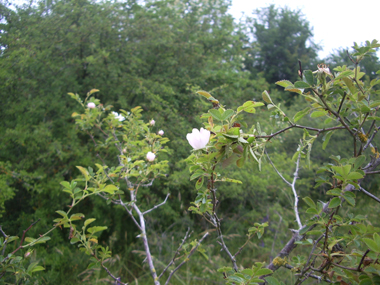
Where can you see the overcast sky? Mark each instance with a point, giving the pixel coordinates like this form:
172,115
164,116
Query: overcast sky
335,23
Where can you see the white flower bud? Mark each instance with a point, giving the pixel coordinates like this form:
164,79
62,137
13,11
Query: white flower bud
150,156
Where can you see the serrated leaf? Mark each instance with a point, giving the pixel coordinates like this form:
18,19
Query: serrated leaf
216,114
335,202
247,271
88,221
284,83
93,230
272,281
110,189
196,175
62,213
310,202
349,199
204,94
84,172
354,175
301,84
263,271
308,74
227,114
299,115
37,268
372,245
199,183
326,139
317,114
65,184
266,97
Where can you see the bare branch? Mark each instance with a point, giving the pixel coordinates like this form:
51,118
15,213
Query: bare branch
292,185
130,213
5,240
369,194
371,138
144,238
176,253
117,279
372,172
361,261
278,172
299,127
156,206
187,258
21,241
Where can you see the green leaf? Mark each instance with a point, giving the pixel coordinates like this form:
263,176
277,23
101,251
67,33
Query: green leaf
240,162
216,114
227,114
84,172
247,271
354,175
110,189
66,184
372,245
350,198
88,221
326,139
37,268
272,281
317,114
301,84
266,97
196,175
62,213
284,83
299,115
308,74
93,230
334,192
42,240
263,271
231,180
345,74
335,202
199,183
310,202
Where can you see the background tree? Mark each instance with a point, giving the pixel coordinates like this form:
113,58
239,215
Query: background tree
279,38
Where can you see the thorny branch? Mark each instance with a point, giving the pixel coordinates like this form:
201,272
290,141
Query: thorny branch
187,258
187,235
156,206
369,194
292,185
22,240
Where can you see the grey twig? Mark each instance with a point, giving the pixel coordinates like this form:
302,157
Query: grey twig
117,279
156,206
176,253
292,185
5,241
369,194
187,258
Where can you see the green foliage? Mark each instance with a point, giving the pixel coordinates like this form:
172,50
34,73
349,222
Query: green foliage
282,37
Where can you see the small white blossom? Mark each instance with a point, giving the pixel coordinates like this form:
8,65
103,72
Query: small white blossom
91,105
118,116
198,139
150,156
323,68
161,132
152,122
